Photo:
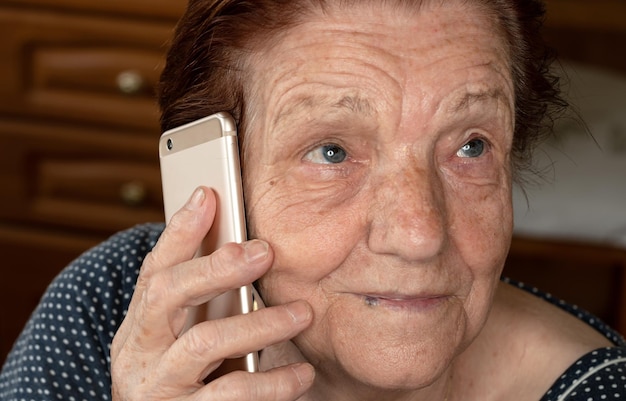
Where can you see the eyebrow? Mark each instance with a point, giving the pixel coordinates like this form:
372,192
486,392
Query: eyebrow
355,104
352,103
469,98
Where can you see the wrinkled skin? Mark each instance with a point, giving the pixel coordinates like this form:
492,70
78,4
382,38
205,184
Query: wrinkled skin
377,170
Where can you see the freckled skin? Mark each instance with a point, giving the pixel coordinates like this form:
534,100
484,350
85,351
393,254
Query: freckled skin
403,215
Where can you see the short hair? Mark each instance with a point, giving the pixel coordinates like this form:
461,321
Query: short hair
206,69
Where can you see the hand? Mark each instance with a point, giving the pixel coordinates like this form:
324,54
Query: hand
151,360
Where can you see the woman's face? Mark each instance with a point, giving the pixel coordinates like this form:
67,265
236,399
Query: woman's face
377,167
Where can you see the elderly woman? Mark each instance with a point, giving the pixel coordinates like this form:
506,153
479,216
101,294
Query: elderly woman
379,143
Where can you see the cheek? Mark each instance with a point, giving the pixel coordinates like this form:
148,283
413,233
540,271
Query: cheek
311,236
482,227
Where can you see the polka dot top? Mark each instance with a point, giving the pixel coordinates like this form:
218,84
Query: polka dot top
63,351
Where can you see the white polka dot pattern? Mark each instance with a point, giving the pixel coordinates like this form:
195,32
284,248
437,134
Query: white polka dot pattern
63,352
599,375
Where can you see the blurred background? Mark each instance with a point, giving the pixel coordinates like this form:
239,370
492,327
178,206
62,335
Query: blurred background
79,129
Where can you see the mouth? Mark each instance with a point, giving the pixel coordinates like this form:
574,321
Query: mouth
417,304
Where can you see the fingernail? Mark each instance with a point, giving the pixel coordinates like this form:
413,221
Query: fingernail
255,250
196,200
299,311
304,372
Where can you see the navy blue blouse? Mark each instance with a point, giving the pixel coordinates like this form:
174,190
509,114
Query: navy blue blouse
63,351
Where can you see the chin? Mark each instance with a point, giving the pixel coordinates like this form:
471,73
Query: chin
378,354
397,370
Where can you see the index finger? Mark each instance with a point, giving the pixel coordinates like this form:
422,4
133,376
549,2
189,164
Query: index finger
179,241
184,232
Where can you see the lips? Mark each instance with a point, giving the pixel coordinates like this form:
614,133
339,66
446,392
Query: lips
411,303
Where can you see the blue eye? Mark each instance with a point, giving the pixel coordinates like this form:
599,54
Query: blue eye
473,148
327,154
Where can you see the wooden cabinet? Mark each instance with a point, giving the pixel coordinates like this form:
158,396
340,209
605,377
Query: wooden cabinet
78,134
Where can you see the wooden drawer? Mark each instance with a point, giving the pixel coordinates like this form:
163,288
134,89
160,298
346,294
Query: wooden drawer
81,69
97,181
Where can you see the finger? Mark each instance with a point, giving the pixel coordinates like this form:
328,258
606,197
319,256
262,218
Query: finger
180,239
200,350
178,242
286,383
184,232
197,281
167,297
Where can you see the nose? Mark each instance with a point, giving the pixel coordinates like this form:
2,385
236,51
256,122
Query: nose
408,217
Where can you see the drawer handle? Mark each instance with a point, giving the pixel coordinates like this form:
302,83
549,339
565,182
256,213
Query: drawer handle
133,193
129,82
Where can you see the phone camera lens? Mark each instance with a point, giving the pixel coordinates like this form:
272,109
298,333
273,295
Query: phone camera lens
170,144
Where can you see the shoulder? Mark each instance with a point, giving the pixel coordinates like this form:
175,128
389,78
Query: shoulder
126,245
108,271
540,316
100,282
64,345
119,255
585,358
524,297
533,342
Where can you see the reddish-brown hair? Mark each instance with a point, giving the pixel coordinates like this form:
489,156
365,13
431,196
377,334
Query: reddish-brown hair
206,66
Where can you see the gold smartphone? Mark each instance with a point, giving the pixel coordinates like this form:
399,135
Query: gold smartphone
205,152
